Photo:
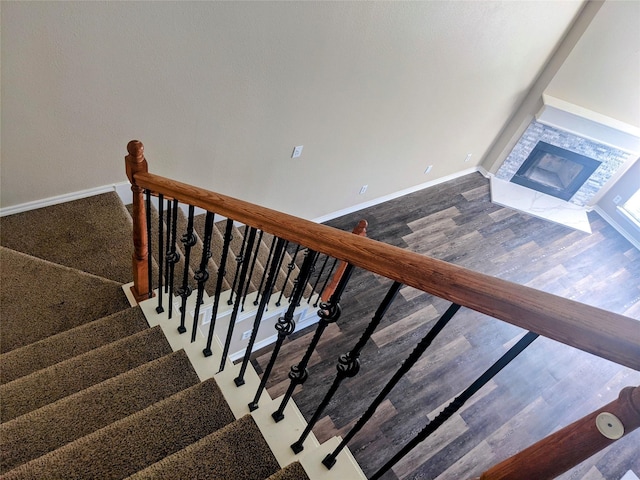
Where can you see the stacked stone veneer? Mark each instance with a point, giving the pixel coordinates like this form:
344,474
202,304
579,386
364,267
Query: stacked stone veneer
611,158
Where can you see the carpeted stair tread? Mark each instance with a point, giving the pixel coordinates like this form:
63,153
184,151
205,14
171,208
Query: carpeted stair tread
293,471
137,441
90,409
40,298
35,356
57,381
93,234
237,452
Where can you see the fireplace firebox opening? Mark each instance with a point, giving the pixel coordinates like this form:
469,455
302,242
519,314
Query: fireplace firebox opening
555,171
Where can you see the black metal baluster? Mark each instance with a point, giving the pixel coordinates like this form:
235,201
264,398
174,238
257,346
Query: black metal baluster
349,363
236,304
240,262
459,401
188,240
253,266
326,281
271,281
149,249
285,326
328,313
168,249
159,308
221,272
409,362
202,275
173,256
315,285
290,268
305,281
264,274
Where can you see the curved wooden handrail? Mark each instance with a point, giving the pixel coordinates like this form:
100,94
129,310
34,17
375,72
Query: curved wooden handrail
605,334
547,459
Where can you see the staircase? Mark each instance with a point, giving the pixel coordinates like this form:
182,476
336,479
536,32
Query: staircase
74,402
92,389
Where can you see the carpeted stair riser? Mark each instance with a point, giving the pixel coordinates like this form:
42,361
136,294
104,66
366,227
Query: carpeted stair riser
57,381
93,408
40,298
33,357
91,397
217,242
74,234
236,245
135,442
237,451
293,471
196,257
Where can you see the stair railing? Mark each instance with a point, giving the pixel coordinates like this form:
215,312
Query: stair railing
605,334
583,438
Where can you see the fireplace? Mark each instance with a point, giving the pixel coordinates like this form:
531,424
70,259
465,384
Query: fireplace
555,171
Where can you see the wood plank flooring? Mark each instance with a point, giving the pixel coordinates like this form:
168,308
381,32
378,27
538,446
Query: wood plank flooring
545,388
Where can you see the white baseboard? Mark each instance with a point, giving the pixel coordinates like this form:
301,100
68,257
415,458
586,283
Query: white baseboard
392,196
484,172
123,189
120,188
619,228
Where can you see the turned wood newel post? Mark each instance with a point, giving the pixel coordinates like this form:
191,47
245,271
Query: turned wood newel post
361,230
136,163
566,448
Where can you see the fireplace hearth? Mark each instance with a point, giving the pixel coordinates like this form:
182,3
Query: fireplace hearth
555,171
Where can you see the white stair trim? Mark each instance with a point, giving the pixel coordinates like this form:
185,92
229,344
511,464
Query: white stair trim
280,435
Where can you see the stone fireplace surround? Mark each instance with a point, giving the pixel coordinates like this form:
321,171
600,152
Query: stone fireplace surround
572,128
611,158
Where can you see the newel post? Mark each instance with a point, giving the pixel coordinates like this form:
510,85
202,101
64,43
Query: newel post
566,448
136,163
361,230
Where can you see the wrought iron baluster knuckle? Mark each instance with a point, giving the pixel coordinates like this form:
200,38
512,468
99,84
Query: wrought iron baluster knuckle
188,240
285,326
173,257
201,275
330,312
348,365
185,291
298,375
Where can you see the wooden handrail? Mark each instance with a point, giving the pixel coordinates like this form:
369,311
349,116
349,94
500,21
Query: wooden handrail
605,334
573,444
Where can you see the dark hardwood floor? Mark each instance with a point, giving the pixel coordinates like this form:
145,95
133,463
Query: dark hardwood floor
548,386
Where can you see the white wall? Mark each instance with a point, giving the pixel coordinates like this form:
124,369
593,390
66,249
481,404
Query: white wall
596,68
602,73
220,93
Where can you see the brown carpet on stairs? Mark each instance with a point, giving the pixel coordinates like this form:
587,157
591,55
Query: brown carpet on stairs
88,391
137,441
40,299
35,356
57,381
293,471
236,452
95,407
75,234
